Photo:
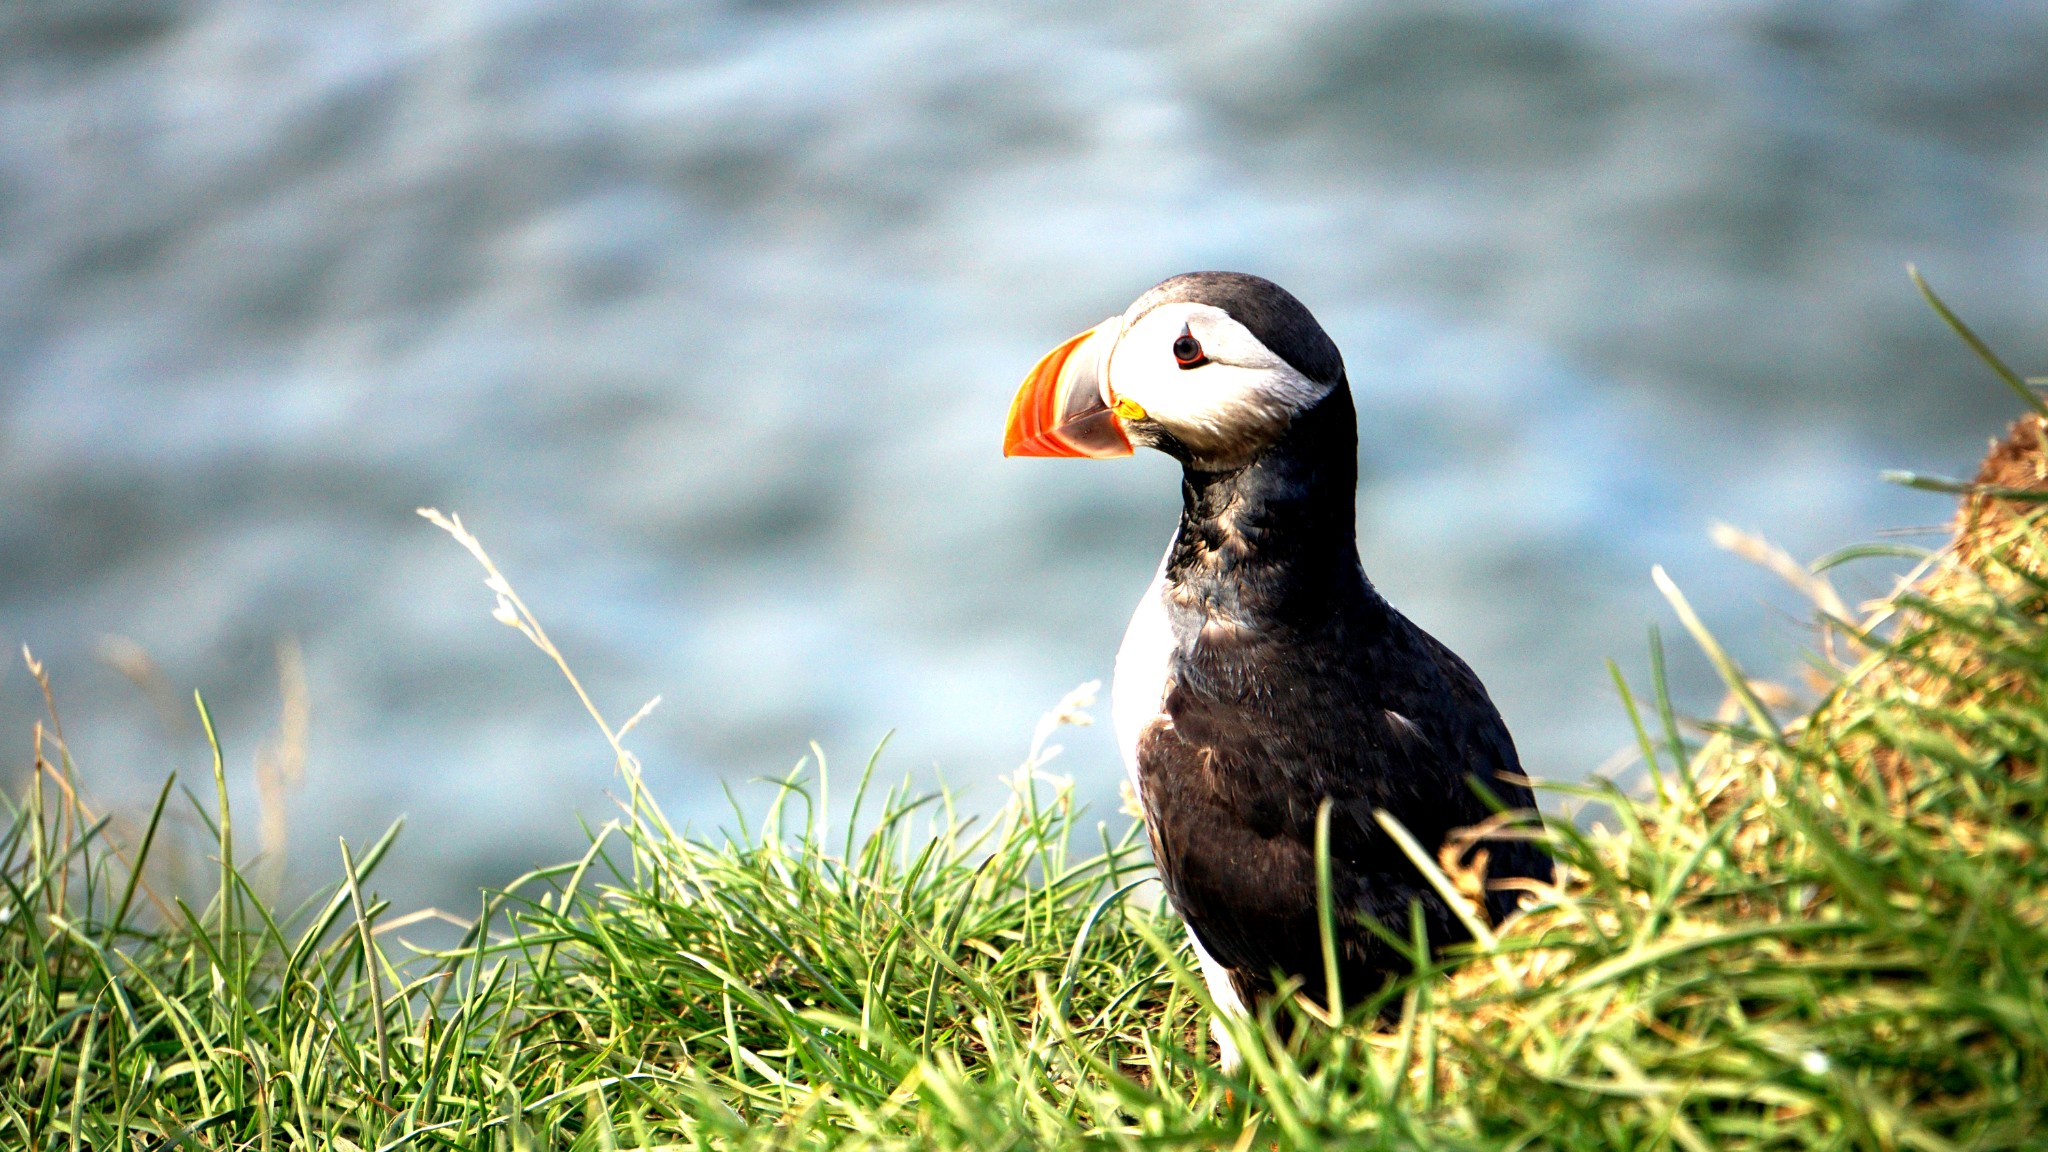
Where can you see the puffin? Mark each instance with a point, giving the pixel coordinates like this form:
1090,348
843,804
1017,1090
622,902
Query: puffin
1262,676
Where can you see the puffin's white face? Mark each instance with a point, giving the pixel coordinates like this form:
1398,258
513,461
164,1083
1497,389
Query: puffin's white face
1202,377
1179,372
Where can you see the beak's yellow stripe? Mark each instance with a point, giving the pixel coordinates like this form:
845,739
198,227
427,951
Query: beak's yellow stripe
1128,409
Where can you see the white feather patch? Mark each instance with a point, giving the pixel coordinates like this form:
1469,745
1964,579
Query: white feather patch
1137,695
1241,397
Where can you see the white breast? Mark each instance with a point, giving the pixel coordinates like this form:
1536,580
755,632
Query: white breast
1142,664
1136,698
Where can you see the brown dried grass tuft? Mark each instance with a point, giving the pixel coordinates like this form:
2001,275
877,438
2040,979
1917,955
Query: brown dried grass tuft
1846,916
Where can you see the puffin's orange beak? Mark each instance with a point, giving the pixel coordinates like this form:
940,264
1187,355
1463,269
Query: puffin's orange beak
1065,407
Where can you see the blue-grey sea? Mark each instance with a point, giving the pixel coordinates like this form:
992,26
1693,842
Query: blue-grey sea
706,317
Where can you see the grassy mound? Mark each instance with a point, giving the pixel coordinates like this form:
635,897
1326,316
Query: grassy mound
1830,932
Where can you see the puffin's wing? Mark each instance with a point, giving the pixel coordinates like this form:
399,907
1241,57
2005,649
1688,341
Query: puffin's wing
1489,752
1477,747
1419,726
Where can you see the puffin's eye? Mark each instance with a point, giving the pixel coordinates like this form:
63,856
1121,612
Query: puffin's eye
1187,351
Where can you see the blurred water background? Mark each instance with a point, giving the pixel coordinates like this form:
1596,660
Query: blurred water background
706,316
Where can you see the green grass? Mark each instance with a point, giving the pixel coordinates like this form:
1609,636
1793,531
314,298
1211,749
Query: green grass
1825,930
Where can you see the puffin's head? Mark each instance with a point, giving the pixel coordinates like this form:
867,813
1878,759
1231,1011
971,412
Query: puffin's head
1209,367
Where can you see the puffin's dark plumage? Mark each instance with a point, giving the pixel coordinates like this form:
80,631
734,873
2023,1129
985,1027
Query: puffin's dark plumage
1264,675
1317,689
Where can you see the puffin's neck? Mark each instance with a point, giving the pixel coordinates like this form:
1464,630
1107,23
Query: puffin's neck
1276,539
